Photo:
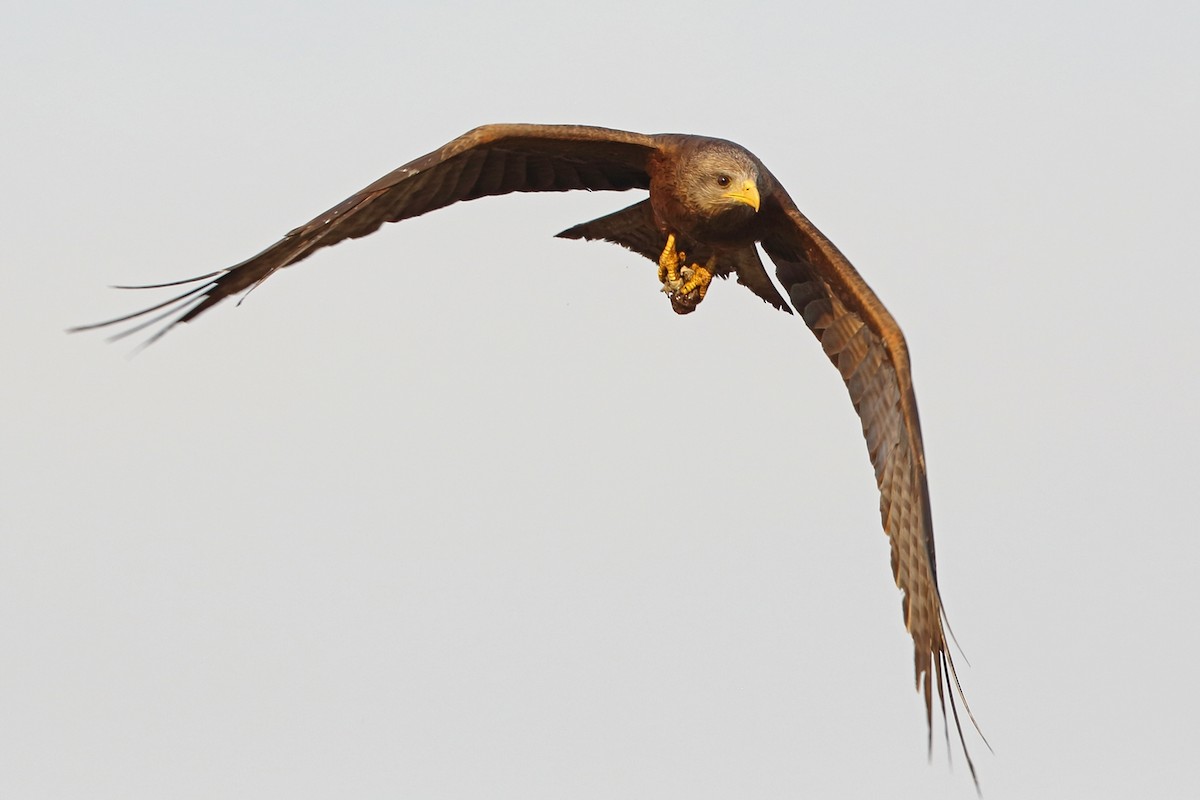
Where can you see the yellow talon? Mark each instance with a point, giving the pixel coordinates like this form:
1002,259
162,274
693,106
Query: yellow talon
701,278
668,264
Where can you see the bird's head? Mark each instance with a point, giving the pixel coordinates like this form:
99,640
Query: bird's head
722,180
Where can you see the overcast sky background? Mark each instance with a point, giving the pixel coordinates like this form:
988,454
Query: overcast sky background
464,511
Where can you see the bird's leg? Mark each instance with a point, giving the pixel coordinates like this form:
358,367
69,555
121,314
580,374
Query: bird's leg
668,266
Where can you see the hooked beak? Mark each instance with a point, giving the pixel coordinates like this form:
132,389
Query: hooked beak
746,193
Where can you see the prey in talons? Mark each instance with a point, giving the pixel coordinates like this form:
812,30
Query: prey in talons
685,285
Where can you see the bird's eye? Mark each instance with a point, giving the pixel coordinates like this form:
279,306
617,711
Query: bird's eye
722,180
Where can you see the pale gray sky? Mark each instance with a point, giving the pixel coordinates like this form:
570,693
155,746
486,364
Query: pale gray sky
464,511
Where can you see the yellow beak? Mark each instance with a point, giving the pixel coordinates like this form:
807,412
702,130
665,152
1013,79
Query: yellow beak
746,193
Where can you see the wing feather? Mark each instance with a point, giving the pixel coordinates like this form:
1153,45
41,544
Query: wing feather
866,345
490,160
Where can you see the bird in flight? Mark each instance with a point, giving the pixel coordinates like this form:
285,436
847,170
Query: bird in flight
710,203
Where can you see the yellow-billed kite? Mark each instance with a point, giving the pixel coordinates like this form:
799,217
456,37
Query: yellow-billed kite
710,203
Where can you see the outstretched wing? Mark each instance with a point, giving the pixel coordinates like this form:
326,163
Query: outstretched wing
490,160
864,342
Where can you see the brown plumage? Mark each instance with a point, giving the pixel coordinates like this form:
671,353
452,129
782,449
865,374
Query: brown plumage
695,197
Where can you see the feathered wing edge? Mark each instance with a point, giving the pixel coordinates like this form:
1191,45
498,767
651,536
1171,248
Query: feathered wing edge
864,342
213,288
172,305
489,160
